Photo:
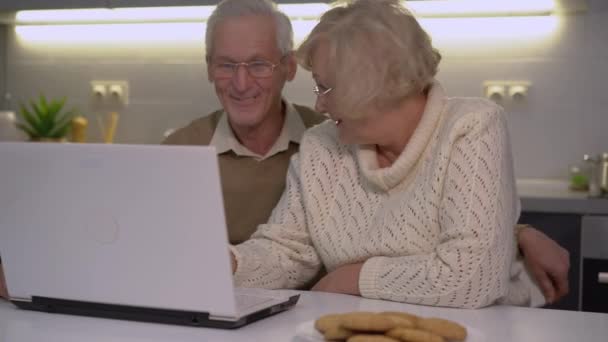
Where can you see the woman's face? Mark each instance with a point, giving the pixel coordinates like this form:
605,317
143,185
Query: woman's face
366,130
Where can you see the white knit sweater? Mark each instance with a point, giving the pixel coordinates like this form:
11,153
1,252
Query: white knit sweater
435,228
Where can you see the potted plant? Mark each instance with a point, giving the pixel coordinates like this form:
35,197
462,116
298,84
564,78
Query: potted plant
46,121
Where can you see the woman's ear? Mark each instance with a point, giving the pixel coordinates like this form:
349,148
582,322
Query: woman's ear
291,64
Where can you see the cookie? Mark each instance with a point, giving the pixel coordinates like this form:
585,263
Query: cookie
400,320
442,327
368,322
414,335
371,338
327,322
337,333
408,316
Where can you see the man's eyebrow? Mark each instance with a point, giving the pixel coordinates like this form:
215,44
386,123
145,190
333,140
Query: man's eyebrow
223,59
255,57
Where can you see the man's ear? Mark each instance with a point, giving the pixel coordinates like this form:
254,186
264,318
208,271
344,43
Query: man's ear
291,65
208,60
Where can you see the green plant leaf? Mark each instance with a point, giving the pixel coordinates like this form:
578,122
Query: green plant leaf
30,132
56,106
62,132
46,118
63,127
62,121
32,120
43,102
46,126
38,110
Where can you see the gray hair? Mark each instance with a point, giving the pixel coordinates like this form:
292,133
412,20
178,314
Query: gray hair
379,54
237,8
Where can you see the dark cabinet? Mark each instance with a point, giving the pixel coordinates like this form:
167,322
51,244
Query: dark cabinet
16,5
595,264
595,287
566,230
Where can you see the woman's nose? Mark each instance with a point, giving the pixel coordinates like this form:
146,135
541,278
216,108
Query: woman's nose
320,105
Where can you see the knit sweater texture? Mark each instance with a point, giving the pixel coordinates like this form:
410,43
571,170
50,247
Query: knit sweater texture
434,228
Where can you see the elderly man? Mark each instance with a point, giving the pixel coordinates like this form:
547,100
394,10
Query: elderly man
249,48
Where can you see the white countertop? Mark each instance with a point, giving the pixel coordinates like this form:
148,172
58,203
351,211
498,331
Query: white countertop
554,196
496,324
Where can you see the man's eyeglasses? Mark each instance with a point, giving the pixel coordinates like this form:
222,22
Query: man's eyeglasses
320,90
256,69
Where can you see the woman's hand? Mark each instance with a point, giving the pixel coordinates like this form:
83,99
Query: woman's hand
233,262
547,261
344,279
3,290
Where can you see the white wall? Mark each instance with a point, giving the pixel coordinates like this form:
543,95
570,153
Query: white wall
3,53
564,117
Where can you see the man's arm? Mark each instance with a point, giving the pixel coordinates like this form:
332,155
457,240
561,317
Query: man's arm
547,261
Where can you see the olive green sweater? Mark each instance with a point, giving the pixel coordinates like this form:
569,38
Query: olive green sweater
251,188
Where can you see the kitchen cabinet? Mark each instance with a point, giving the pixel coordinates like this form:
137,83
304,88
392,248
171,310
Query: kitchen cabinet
16,5
579,223
595,264
566,230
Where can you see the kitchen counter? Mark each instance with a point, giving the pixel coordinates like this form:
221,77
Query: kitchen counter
493,324
554,196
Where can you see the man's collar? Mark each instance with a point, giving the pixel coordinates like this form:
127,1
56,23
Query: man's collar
224,139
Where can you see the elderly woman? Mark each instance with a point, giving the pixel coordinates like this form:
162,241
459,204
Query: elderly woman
405,194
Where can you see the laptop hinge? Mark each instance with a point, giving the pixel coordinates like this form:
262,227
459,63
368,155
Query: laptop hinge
126,312
134,313
223,318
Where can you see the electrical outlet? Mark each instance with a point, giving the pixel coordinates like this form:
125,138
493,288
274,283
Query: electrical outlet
501,91
109,94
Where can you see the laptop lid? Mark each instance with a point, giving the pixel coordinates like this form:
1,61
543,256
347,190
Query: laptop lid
134,225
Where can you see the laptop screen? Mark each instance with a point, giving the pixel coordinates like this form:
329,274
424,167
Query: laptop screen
137,225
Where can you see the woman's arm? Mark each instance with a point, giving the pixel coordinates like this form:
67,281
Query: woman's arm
280,253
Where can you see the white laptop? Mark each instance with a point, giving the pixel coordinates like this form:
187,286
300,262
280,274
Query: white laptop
132,232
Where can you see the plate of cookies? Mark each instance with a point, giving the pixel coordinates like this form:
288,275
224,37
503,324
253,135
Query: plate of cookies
390,326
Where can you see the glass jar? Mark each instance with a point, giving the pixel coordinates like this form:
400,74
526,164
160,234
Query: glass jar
579,180
8,127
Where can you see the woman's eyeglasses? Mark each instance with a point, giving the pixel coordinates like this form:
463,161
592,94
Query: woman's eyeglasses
320,90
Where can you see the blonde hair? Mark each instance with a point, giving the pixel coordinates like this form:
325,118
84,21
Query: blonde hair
378,55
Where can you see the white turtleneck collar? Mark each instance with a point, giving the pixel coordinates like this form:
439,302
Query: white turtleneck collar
396,174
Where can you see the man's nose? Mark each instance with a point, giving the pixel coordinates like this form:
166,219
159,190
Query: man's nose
242,79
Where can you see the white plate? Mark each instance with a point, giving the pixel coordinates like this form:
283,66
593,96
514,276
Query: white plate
306,332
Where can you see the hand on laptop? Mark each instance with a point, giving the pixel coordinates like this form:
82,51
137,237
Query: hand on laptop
3,290
233,262
344,279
